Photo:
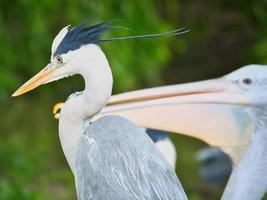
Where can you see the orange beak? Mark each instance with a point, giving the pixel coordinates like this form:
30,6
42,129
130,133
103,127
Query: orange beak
44,76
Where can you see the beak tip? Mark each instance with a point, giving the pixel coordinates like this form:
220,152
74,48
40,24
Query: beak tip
40,78
14,94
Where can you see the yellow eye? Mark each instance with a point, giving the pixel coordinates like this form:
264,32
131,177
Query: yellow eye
59,59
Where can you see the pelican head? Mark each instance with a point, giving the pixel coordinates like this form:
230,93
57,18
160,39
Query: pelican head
252,82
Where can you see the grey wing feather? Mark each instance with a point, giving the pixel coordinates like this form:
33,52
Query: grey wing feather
117,160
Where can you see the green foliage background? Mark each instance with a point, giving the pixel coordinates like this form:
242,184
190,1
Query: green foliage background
224,36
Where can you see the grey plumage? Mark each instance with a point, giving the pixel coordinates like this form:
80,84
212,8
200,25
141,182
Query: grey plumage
117,160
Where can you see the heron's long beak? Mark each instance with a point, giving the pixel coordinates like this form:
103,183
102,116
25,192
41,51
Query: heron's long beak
48,74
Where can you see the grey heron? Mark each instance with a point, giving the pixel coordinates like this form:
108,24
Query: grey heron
111,158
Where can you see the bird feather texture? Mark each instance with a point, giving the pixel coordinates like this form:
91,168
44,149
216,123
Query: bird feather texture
135,168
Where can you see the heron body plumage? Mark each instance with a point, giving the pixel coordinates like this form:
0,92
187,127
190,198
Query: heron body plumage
116,158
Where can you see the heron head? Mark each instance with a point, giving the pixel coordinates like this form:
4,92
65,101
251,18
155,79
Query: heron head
71,50
74,48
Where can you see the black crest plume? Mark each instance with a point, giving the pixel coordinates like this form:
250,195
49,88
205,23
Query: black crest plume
82,35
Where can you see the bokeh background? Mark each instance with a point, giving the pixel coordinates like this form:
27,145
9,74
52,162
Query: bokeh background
224,36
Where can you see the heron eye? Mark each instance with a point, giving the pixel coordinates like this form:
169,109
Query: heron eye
247,81
59,59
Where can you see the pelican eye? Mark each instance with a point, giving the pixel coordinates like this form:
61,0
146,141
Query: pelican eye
247,81
59,59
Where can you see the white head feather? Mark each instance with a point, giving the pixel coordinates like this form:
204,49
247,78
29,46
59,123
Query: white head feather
58,39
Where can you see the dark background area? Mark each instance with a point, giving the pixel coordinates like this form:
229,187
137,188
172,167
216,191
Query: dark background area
224,36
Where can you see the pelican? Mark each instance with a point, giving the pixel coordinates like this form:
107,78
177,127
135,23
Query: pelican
228,112
212,111
111,158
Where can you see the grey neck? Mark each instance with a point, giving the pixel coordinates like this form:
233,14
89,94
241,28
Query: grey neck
248,179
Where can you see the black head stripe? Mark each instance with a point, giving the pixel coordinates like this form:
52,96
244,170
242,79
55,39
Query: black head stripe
81,35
